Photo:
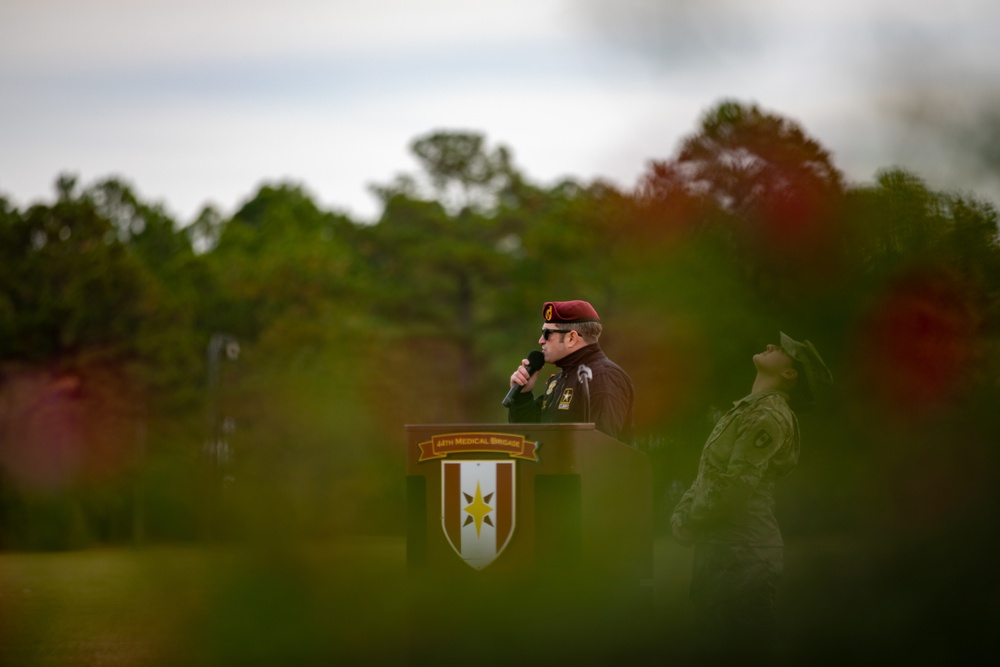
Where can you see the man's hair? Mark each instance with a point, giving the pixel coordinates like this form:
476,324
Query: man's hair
589,331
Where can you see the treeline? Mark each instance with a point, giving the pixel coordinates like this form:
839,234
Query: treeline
250,376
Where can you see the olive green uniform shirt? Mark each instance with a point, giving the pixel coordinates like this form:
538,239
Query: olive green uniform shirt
732,498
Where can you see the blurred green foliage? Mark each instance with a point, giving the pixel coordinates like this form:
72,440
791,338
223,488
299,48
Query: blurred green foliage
119,420
115,403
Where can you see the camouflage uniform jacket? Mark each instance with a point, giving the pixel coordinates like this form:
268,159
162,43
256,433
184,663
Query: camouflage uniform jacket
612,396
731,500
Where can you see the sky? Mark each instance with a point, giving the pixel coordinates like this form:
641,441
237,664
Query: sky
200,102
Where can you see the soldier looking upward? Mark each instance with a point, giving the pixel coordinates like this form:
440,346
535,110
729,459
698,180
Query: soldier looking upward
727,513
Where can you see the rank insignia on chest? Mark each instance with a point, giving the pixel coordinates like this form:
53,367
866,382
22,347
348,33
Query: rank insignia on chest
549,388
566,398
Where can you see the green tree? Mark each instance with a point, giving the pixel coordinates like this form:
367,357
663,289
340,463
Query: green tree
71,284
281,260
467,275
96,347
170,344
464,173
304,447
440,271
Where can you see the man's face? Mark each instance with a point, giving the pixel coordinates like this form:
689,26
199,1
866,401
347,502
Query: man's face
553,342
773,361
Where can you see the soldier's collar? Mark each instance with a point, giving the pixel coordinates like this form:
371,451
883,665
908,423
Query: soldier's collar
753,398
584,354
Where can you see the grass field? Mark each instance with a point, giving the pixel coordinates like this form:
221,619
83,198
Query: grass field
198,606
343,603
339,603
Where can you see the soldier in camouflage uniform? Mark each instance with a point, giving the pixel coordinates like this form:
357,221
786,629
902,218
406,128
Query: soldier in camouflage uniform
727,513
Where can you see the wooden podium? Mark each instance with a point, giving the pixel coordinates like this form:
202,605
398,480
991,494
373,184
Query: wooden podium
526,544
551,497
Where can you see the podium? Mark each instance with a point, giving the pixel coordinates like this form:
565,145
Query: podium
547,526
551,497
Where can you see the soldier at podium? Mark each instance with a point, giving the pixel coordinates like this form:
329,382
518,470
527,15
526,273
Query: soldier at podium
589,387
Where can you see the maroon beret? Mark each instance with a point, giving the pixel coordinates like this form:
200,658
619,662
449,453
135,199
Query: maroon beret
567,312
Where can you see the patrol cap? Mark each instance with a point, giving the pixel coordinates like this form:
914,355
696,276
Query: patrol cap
568,312
818,376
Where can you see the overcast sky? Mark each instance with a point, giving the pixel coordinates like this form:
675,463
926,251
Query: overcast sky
200,101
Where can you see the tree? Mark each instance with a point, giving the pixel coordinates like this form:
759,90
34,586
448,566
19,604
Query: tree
463,172
178,279
445,266
762,187
71,284
280,261
926,267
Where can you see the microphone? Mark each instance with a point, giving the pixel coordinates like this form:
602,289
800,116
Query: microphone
584,375
535,362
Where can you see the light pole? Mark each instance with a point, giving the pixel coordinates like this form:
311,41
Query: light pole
216,450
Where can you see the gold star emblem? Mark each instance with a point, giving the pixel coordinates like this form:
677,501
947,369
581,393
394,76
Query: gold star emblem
478,509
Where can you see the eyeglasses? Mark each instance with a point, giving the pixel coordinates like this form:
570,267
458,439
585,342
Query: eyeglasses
548,332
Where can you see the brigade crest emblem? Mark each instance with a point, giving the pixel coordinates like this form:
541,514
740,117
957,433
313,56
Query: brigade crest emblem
477,508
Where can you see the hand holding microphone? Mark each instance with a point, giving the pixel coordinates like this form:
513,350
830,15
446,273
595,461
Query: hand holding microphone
523,375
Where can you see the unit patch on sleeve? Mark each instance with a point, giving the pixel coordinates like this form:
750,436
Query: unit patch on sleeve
762,439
